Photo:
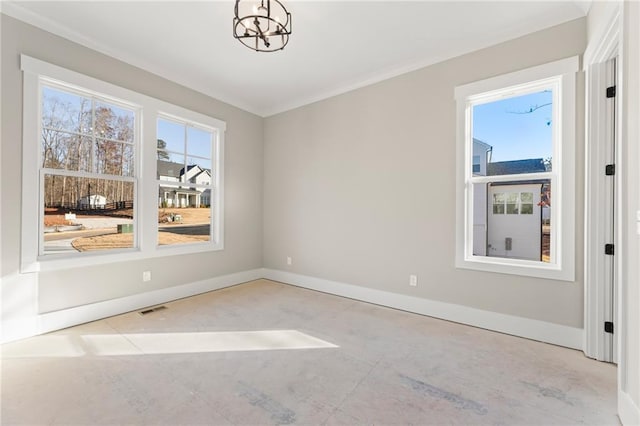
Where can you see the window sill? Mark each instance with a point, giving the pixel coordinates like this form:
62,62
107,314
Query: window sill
519,267
60,262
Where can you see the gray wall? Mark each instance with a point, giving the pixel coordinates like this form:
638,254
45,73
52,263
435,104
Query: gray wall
360,188
72,287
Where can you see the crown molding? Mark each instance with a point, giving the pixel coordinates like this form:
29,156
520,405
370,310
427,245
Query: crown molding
14,10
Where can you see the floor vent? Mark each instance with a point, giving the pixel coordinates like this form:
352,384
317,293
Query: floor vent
150,310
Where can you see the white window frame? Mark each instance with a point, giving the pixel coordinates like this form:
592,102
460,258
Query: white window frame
43,171
214,185
146,192
561,75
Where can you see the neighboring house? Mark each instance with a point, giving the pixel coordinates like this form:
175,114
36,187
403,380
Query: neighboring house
516,167
507,216
94,201
481,157
514,226
178,195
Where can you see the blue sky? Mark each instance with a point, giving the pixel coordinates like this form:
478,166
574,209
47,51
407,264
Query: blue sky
198,142
515,136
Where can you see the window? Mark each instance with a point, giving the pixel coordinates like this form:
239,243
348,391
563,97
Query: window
185,181
97,188
516,203
87,174
515,143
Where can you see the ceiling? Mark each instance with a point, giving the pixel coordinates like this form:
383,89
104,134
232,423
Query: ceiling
335,46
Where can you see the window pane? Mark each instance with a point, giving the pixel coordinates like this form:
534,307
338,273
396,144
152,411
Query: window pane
87,214
201,164
113,122
526,209
113,158
526,203
526,197
512,203
128,164
516,223
514,135
62,150
172,136
65,111
184,215
199,142
171,171
198,174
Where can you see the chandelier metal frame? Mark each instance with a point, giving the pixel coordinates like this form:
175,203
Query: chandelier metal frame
263,30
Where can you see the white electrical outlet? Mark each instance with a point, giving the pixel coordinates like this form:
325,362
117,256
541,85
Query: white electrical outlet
289,260
413,280
146,276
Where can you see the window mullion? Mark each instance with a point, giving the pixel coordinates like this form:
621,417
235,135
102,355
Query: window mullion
87,175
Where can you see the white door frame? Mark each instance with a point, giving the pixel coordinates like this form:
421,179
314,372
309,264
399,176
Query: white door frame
598,297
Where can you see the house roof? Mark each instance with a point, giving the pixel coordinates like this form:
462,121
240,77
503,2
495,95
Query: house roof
169,168
173,169
515,167
190,167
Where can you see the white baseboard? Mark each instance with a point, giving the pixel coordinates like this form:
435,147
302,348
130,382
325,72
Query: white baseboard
44,323
628,411
556,334
570,337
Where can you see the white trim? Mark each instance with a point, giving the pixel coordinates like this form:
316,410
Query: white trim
556,334
605,46
606,42
539,72
628,411
597,224
50,321
30,235
560,75
146,188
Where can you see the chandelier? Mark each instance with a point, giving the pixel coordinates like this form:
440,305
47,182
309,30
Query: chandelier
262,25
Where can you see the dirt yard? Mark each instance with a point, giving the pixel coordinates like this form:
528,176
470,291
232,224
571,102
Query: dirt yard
190,216
118,241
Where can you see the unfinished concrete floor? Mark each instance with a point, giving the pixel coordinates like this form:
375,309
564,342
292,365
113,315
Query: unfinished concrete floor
334,361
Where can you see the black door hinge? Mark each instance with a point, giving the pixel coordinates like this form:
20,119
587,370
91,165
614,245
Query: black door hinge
610,169
608,327
608,249
611,92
